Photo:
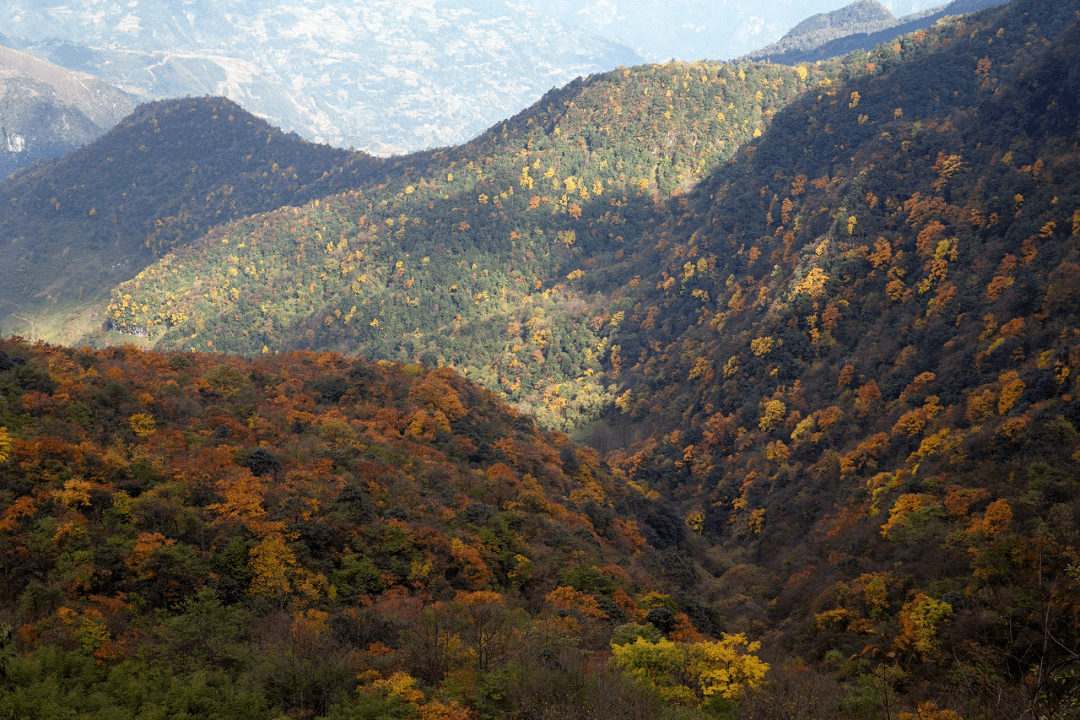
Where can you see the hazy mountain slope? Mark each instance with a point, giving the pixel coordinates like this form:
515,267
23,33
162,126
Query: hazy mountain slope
861,16
46,110
380,75
663,30
77,225
859,26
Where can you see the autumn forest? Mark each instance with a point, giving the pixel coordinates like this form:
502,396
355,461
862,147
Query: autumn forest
729,390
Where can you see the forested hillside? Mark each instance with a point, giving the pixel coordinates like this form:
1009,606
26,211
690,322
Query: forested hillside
477,257
203,534
857,367
817,325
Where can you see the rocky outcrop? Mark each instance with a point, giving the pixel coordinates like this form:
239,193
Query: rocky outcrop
47,110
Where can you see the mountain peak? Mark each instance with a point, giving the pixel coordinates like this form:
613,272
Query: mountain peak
847,18
858,26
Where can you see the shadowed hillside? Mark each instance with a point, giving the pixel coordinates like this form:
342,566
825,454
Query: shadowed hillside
856,367
75,226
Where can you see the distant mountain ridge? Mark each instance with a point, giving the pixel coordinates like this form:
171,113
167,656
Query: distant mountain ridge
863,16
387,77
46,110
859,26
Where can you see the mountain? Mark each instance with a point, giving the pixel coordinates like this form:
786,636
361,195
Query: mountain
482,258
854,364
861,16
845,354
696,29
684,30
119,203
46,111
861,25
77,225
388,77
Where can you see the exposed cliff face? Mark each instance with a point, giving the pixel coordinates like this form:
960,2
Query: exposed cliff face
46,110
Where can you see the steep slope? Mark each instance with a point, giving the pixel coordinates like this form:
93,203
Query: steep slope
76,226
295,533
46,111
388,77
857,368
835,308
480,259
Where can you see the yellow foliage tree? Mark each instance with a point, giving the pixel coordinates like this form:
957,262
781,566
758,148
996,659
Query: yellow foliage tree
929,710
762,345
567,598
919,622
244,502
693,673
773,415
995,520
904,506
473,568
436,393
272,564
814,282
142,424
277,575
727,668
1012,387
980,405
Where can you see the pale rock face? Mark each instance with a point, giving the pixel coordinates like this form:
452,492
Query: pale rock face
381,75
46,110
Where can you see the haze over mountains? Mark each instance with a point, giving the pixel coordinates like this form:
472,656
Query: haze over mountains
46,111
388,78
661,30
858,26
381,76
